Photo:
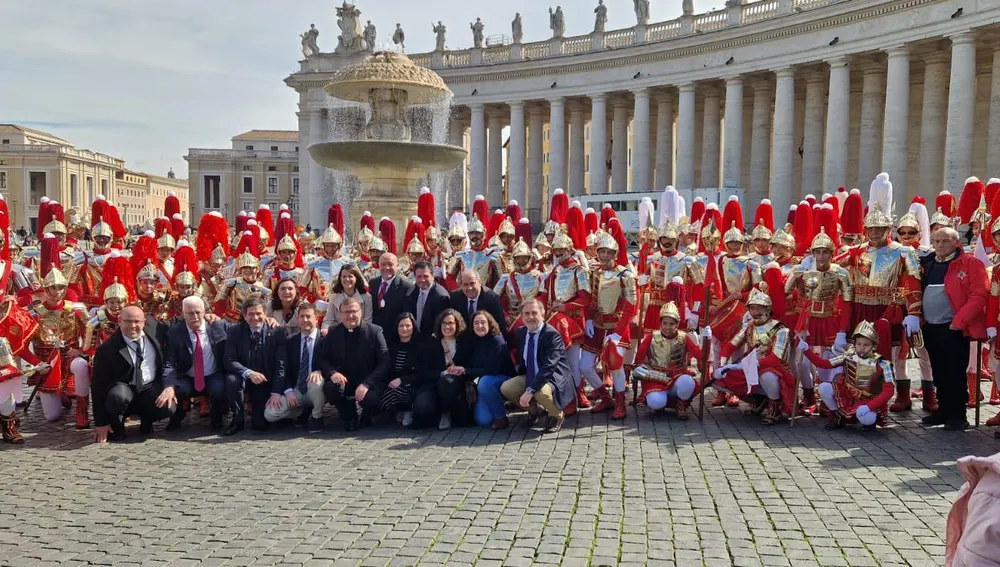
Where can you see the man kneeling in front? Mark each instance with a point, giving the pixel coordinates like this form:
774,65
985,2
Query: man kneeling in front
545,379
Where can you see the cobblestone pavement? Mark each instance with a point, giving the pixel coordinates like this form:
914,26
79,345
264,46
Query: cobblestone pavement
653,491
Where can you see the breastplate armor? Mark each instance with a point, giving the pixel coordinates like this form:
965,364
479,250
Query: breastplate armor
100,327
821,289
59,327
862,374
762,259
739,273
519,287
479,261
667,353
155,305
769,338
565,282
278,273
608,288
664,268
877,274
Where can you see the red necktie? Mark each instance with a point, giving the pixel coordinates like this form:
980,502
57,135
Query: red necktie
381,292
199,365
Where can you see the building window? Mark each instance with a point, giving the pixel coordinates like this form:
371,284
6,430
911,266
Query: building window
104,188
247,205
247,168
248,184
272,168
272,185
296,148
295,206
37,187
586,163
3,180
7,141
295,186
295,169
274,148
249,148
273,205
545,157
212,190
586,133
89,197
74,190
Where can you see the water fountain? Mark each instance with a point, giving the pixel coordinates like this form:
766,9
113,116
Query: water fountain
384,158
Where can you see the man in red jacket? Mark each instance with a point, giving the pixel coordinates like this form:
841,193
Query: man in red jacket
954,312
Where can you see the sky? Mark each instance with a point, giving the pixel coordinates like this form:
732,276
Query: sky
144,80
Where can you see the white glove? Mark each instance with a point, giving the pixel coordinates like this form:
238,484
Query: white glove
439,273
862,411
991,332
692,320
643,279
706,332
840,343
612,338
912,324
803,346
719,372
589,329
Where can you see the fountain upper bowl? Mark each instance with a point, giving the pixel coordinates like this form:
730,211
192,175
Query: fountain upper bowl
388,70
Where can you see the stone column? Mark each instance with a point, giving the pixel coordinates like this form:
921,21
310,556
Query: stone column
316,198
961,112
664,141
993,146
598,143
619,146
872,105
733,154
685,137
536,177
760,143
812,136
932,125
494,193
557,143
897,116
516,166
710,140
640,147
782,157
838,123
477,151
577,121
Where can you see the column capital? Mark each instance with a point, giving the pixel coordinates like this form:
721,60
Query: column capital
897,51
734,80
518,104
536,110
477,106
834,62
663,97
598,97
686,88
784,72
557,101
641,91
576,106
760,84
620,102
937,57
814,76
963,37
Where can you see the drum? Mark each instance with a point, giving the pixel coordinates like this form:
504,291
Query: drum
727,320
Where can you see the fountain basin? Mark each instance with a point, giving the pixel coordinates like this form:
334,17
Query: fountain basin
373,161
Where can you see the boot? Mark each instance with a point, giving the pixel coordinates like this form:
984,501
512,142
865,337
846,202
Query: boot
918,394
8,426
833,420
974,389
82,417
993,421
772,414
995,395
67,400
203,406
570,409
606,402
720,399
807,406
619,412
581,397
903,402
930,396
682,409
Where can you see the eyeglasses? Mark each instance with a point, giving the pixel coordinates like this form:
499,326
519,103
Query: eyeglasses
907,233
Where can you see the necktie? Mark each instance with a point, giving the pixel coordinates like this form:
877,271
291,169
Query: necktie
199,365
254,337
304,366
137,370
529,363
381,292
472,307
421,301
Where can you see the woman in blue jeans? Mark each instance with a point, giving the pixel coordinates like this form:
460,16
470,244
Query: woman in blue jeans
482,353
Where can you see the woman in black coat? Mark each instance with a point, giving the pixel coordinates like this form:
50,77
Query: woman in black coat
439,355
483,354
406,381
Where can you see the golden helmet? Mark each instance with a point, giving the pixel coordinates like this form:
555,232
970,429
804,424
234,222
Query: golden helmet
876,218
668,230
783,238
758,297
377,244
822,241
551,227
506,227
166,241
909,221
365,235
286,243
670,310
591,240
415,247
475,225
995,227
605,240
456,231
761,232
101,228
562,241
218,253
183,278
734,234
148,272
55,227
710,232
331,236
542,240
867,330
247,260
521,249
940,219
54,277
433,234
116,291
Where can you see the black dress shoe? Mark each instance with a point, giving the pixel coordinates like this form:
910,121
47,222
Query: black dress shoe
957,424
145,427
936,418
234,427
315,424
116,436
351,424
554,425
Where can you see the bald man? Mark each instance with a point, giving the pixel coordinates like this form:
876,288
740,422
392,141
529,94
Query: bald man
391,293
472,296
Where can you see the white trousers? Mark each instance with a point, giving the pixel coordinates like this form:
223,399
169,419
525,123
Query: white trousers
682,389
588,367
81,374
826,394
11,393
573,358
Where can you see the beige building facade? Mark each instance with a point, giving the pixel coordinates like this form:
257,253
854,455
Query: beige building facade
261,168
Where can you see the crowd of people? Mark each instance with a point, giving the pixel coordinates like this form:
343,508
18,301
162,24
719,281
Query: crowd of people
466,323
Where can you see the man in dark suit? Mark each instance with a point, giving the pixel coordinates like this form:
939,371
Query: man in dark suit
545,378
127,379
354,360
252,359
297,390
390,294
428,300
474,297
186,374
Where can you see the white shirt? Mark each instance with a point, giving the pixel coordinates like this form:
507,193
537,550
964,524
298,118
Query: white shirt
148,357
302,348
208,356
